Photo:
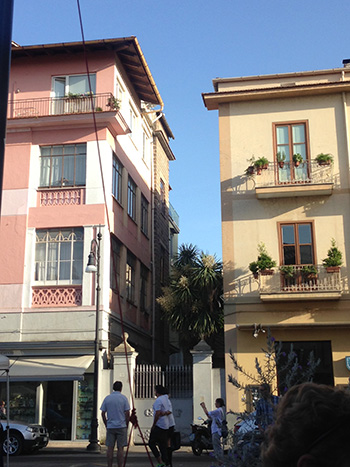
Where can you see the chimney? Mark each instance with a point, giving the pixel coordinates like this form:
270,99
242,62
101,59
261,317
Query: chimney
346,63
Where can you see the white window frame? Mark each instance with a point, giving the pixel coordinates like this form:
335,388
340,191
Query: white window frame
42,266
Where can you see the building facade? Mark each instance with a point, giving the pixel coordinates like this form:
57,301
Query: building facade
70,174
291,209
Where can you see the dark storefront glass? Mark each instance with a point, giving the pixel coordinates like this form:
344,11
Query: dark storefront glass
84,406
57,408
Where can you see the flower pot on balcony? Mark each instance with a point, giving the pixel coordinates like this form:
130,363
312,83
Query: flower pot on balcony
332,269
324,159
259,170
281,164
297,159
267,272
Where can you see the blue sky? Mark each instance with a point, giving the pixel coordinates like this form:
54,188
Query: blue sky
187,44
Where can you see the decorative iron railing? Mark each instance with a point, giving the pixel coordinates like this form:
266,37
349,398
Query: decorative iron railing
308,172
300,279
178,380
41,107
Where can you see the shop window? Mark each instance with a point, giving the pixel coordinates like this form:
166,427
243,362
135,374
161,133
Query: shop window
62,165
59,256
22,400
85,406
322,351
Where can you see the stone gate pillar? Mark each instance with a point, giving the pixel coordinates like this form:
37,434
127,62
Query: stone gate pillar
202,378
120,370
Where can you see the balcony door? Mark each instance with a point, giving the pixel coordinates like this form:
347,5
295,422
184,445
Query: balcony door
68,92
297,247
291,139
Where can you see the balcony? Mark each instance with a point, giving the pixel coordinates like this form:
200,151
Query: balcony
308,179
298,285
42,107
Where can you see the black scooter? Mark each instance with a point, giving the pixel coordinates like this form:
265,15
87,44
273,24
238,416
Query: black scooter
200,437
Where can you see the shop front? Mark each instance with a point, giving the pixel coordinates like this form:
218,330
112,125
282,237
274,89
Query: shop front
54,391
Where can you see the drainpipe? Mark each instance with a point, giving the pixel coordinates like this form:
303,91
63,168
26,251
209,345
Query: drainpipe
153,257
6,17
346,122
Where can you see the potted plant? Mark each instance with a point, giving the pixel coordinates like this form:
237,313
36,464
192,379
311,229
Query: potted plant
324,159
113,103
288,271
264,263
334,258
309,272
281,157
249,170
297,159
254,268
261,164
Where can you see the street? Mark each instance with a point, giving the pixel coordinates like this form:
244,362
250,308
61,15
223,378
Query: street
71,456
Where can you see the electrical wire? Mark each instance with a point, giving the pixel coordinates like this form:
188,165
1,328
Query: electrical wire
133,417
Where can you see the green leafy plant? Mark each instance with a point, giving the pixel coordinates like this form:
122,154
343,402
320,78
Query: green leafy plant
280,156
262,163
324,159
113,103
264,261
298,159
98,109
334,256
309,270
288,271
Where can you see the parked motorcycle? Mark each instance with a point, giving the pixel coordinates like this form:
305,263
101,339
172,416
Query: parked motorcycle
200,438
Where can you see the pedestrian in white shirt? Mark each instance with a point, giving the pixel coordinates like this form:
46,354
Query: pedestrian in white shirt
217,416
116,415
159,431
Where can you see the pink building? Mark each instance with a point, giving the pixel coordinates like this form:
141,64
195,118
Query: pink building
62,184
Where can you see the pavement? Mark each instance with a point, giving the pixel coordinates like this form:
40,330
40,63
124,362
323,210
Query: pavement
74,454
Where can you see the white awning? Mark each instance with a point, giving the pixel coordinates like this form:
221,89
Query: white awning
48,368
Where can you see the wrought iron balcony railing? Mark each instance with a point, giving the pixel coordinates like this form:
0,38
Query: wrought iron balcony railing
301,280
308,172
41,107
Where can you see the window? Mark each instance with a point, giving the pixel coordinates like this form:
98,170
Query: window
291,138
59,256
297,244
162,195
132,198
74,84
130,277
119,91
63,165
115,263
143,288
132,120
144,215
117,179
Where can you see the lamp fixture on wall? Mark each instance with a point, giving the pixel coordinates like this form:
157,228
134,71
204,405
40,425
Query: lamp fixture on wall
258,328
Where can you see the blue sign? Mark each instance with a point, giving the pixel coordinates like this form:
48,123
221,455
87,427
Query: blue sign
347,361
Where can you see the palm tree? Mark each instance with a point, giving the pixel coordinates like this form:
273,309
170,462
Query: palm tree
192,302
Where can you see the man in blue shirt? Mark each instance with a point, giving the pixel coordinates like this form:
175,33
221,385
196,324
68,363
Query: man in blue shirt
265,408
116,415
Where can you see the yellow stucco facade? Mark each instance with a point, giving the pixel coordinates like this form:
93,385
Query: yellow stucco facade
292,210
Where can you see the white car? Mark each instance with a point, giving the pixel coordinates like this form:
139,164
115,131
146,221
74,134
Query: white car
23,437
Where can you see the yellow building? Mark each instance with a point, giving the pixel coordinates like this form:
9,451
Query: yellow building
294,209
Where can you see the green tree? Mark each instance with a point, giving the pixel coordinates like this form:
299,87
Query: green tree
192,302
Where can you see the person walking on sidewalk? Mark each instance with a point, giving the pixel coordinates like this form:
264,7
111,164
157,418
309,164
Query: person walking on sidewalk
116,415
159,430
